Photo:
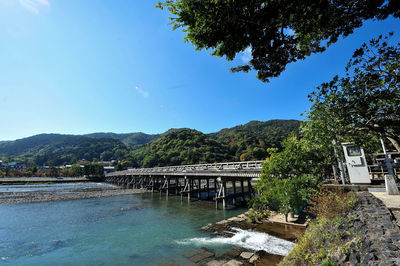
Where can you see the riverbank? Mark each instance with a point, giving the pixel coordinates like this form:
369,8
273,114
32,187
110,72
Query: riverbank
42,196
366,233
41,180
282,234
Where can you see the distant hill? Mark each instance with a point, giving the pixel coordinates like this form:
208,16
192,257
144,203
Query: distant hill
32,144
57,149
173,147
130,139
251,140
181,146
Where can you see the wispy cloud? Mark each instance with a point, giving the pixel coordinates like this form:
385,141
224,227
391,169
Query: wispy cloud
246,55
144,93
34,6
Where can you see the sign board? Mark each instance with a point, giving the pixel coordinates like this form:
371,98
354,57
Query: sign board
356,164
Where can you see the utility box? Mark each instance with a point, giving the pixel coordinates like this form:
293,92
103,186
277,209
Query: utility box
356,164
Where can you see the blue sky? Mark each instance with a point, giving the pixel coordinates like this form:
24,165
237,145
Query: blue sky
76,67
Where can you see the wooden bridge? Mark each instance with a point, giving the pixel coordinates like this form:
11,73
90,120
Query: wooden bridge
226,182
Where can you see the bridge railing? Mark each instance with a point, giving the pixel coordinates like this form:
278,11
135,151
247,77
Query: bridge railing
247,165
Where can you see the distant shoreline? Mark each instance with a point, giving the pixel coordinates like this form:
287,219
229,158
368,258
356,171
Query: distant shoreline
41,180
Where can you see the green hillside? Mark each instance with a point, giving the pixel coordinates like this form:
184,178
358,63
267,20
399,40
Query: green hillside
32,145
56,149
251,140
130,139
176,146
181,146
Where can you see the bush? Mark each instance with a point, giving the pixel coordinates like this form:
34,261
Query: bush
256,216
328,204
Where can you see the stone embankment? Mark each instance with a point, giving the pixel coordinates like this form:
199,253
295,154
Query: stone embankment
371,236
375,237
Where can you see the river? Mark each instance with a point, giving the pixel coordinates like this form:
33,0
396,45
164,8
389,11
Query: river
139,229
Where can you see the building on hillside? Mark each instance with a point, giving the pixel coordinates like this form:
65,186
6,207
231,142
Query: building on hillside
106,163
108,169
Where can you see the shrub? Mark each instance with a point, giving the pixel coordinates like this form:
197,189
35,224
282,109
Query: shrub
255,216
328,204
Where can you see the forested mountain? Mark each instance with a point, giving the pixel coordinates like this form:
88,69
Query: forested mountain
57,149
130,139
32,144
175,146
181,146
251,140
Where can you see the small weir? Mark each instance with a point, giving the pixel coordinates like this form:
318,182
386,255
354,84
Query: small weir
222,182
254,241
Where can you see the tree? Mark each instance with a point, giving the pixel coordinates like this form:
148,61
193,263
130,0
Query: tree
76,170
289,176
93,170
276,32
367,99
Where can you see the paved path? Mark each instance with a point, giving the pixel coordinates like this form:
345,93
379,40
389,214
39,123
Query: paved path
391,201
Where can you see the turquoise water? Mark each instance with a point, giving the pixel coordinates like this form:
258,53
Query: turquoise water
129,229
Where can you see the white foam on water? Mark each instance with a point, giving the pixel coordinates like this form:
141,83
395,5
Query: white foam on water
247,239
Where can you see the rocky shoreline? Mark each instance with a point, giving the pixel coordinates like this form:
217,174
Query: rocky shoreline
240,255
41,196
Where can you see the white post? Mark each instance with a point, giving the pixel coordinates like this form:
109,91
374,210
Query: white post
340,163
390,183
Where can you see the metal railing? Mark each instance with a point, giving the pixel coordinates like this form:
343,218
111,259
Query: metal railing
379,170
228,166
248,165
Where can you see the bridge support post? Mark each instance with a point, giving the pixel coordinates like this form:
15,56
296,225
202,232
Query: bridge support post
242,188
199,189
168,182
234,192
184,188
190,188
208,188
223,194
215,187
249,188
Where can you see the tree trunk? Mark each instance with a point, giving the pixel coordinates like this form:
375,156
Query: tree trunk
286,217
395,142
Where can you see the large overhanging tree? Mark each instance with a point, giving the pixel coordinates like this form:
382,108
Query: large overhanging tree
278,32
367,98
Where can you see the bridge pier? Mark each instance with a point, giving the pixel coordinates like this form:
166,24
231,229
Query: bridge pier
224,194
234,192
199,188
208,188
